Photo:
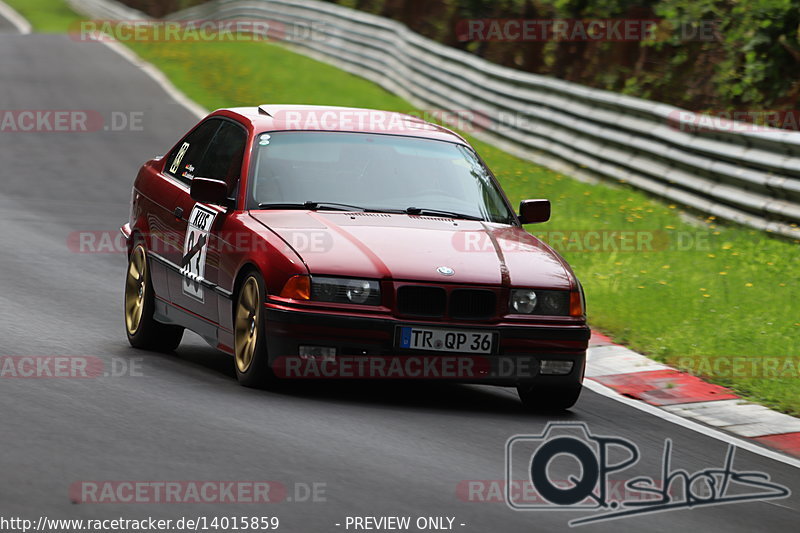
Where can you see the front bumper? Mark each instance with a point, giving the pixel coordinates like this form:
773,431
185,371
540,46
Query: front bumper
516,359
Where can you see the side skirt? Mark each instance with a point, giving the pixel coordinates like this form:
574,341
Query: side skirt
167,313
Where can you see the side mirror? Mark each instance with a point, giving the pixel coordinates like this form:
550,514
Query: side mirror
533,211
209,191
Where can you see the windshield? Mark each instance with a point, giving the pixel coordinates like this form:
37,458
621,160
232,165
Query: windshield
373,172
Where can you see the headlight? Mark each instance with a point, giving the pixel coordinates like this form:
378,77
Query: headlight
347,291
523,301
540,302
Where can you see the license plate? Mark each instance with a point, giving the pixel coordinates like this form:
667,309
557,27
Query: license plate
446,340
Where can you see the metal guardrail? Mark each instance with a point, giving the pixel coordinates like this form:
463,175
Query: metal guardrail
737,173
107,10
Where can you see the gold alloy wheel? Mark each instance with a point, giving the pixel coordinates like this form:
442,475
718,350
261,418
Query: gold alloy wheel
135,286
248,320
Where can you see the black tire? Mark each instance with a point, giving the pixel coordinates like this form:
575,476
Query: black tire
143,331
250,358
547,398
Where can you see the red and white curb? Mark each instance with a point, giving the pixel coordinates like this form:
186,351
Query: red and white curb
635,376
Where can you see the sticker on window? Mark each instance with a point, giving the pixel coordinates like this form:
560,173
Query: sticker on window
195,247
189,172
176,163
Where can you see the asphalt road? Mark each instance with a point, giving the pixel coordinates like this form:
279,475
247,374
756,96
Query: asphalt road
6,26
378,449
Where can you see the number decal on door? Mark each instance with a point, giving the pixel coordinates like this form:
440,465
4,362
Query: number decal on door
195,247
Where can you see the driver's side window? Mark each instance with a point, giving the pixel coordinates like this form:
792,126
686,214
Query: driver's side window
183,161
223,159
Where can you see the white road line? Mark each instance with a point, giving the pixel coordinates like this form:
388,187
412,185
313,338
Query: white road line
689,424
19,22
157,76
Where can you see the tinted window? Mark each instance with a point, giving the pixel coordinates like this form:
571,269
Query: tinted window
223,159
375,172
184,160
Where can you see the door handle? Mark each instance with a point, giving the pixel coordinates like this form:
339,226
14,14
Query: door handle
178,212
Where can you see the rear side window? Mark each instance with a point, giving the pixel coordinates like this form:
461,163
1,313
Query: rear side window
185,159
223,159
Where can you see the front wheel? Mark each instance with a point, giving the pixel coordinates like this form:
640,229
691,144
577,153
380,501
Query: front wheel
143,330
543,398
250,350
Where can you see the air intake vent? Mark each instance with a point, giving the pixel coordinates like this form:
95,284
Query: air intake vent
442,219
472,304
413,300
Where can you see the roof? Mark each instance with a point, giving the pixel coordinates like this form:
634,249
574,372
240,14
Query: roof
350,119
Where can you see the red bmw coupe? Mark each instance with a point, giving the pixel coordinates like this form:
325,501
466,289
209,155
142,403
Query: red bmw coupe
337,242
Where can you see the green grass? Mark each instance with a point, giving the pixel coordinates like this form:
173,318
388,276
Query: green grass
46,16
735,294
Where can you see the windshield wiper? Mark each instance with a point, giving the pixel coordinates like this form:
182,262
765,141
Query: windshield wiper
439,212
312,206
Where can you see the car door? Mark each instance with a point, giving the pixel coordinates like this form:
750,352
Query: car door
193,286
179,171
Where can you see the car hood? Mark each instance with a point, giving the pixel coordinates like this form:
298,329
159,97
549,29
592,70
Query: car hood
405,247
